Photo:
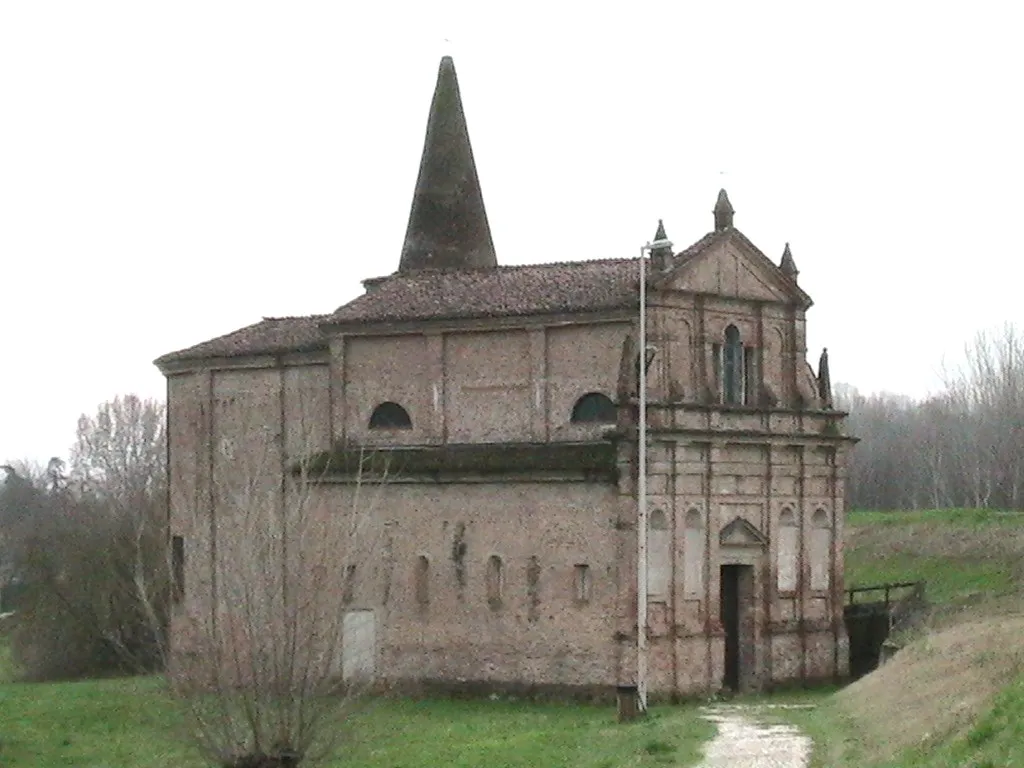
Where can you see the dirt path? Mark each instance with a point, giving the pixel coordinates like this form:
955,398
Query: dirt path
743,742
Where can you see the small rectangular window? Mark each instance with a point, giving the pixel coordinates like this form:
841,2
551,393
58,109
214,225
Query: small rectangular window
582,583
422,581
178,568
494,584
350,584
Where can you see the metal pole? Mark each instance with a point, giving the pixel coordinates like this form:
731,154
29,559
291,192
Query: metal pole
641,527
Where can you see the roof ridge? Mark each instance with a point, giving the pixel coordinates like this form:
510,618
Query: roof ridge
286,318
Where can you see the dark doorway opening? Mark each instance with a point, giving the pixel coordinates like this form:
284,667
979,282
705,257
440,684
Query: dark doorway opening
736,589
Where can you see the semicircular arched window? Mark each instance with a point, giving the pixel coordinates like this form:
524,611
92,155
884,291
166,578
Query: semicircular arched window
390,416
593,408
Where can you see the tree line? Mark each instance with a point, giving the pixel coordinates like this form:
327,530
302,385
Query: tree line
81,539
960,447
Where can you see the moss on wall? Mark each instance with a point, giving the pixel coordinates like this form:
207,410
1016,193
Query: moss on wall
596,460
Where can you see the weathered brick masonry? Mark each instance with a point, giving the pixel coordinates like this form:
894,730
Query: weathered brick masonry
504,401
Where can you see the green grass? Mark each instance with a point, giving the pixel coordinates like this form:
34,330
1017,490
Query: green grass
966,556
7,671
131,722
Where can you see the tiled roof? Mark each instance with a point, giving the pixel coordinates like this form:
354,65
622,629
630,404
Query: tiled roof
510,291
272,335
496,292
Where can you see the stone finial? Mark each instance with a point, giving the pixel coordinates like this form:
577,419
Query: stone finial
824,380
661,258
787,265
723,212
448,226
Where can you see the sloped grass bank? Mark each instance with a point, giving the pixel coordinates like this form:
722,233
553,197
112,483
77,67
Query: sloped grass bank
954,695
950,698
132,722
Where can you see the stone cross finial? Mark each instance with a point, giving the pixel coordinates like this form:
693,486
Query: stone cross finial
661,258
723,212
788,265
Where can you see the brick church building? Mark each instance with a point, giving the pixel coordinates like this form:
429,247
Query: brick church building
491,412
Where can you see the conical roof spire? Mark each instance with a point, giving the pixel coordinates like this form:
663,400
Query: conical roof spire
659,233
448,226
787,265
723,212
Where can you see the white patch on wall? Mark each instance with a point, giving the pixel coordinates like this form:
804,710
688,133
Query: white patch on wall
358,649
659,555
788,551
821,549
693,554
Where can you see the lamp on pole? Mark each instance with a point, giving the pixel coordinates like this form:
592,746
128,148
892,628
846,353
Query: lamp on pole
641,490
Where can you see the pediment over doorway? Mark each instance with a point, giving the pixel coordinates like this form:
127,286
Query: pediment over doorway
741,533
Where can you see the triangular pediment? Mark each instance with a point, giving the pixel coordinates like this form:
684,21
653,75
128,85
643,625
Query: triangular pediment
729,265
741,533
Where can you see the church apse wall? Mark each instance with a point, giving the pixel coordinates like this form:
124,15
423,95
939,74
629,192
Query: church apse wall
484,583
479,386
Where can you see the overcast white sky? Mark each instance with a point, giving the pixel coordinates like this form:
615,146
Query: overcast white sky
172,171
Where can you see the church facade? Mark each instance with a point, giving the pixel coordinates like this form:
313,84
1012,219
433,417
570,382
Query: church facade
499,408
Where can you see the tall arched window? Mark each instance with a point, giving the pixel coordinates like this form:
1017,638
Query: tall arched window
821,550
733,367
659,555
789,551
390,416
593,408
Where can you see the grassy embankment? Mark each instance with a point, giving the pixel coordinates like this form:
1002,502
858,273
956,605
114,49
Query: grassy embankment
954,696
132,722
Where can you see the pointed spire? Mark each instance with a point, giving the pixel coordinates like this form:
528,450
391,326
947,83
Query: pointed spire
824,380
448,226
723,212
661,257
787,265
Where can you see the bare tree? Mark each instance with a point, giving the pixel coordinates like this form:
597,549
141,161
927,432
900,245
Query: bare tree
82,542
266,651
963,446
120,452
